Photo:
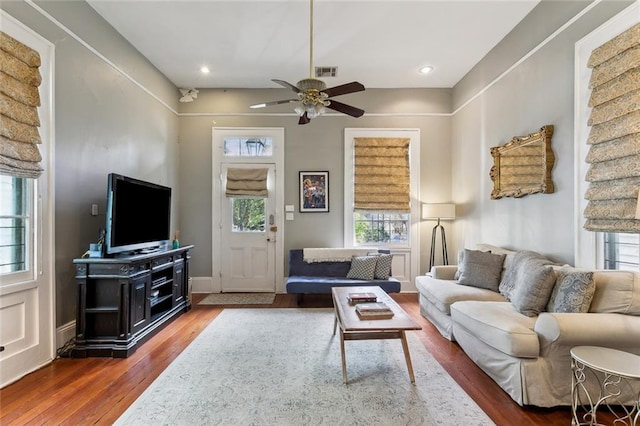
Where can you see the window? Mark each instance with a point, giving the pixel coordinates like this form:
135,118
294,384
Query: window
15,224
247,147
248,214
372,228
621,251
381,180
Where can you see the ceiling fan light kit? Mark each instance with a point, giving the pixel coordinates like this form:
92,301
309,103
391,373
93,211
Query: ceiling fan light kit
313,95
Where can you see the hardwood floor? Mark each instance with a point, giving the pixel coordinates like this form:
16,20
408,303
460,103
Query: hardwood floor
98,390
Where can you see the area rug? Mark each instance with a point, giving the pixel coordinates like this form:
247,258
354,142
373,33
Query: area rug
282,367
238,299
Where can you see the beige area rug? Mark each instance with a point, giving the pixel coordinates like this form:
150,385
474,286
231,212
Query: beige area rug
282,367
238,299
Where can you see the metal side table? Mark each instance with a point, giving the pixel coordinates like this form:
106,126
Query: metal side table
618,371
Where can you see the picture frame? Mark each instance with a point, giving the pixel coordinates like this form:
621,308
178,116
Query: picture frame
314,192
523,165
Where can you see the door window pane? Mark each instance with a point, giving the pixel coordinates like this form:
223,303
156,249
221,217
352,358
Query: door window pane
247,147
14,224
248,214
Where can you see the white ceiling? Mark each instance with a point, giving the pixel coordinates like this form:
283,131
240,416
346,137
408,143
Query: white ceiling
378,43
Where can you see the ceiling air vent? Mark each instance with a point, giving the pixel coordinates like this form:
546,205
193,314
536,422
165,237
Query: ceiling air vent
326,71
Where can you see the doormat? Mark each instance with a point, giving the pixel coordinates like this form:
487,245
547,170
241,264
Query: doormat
238,299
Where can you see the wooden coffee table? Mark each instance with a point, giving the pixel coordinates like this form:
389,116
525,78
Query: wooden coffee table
354,328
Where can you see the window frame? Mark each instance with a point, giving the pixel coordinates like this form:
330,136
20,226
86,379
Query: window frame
589,246
414,158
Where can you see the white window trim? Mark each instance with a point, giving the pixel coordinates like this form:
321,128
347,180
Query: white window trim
588,245
414,164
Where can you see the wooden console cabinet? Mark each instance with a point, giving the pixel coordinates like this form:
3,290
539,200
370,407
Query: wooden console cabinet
122,301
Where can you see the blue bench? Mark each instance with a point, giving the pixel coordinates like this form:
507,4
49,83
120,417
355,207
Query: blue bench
320,277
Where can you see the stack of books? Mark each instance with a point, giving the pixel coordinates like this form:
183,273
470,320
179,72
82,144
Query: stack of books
355,298
377,310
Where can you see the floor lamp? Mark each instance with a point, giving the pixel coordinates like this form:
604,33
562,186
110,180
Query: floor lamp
438,212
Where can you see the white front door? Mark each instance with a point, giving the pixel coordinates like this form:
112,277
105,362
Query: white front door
248,236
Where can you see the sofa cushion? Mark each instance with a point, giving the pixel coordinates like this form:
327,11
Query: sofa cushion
443,293
480,269
572,292
528,282
499,325
303,284
383,266
616,292
362,267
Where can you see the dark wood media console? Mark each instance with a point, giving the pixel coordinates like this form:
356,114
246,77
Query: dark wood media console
122,301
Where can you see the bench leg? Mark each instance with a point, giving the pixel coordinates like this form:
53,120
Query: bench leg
299,298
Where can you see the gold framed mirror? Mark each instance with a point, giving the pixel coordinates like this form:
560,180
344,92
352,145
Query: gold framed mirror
523,165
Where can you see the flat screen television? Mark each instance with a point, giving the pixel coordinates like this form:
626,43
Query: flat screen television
138,215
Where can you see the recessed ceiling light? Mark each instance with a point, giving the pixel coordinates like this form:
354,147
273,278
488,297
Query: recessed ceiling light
425,70
205,70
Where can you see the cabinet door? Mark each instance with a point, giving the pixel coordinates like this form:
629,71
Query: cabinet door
140,307
179,283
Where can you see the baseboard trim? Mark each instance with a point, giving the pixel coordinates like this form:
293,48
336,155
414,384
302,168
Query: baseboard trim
202,285
64,333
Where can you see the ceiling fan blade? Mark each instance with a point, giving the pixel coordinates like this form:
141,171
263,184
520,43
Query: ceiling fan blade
287,85
343,89
266,104
345,109
304,119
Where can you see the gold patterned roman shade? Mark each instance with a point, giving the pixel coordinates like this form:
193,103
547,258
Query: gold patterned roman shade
381,176
19,101
247,182
614,139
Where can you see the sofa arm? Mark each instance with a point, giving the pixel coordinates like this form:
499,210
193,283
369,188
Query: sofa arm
574,329
444,272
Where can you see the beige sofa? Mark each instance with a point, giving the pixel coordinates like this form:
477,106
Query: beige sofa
528,356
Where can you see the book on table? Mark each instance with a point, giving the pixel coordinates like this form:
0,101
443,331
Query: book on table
354,298
377,310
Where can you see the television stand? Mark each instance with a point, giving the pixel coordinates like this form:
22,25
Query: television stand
123,301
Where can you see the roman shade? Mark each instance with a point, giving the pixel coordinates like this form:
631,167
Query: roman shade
614,138
246,182
381,174
19,101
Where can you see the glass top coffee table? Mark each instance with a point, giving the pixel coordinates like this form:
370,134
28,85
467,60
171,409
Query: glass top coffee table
354,328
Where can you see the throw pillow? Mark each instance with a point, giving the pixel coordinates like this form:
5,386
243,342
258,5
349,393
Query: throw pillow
383,266
481,269
362,267
534,282
573,291
513,267
460,260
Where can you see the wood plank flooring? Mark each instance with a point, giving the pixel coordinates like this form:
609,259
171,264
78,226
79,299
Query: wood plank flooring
98,390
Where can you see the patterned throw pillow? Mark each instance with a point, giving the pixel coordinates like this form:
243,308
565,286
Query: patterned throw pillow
362,267
573,291
383,266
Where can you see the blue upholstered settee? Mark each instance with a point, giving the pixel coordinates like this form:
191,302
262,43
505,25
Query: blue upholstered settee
320,277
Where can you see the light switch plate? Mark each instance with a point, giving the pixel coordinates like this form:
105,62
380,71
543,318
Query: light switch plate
288,216
289,208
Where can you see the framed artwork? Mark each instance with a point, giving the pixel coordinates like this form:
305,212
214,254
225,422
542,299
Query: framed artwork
314,192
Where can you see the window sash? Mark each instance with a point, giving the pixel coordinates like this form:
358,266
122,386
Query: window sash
16,229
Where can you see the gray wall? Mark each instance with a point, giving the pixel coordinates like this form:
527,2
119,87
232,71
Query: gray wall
103,123
537,92
318,145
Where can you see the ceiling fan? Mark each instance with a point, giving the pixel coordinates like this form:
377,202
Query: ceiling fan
313,94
